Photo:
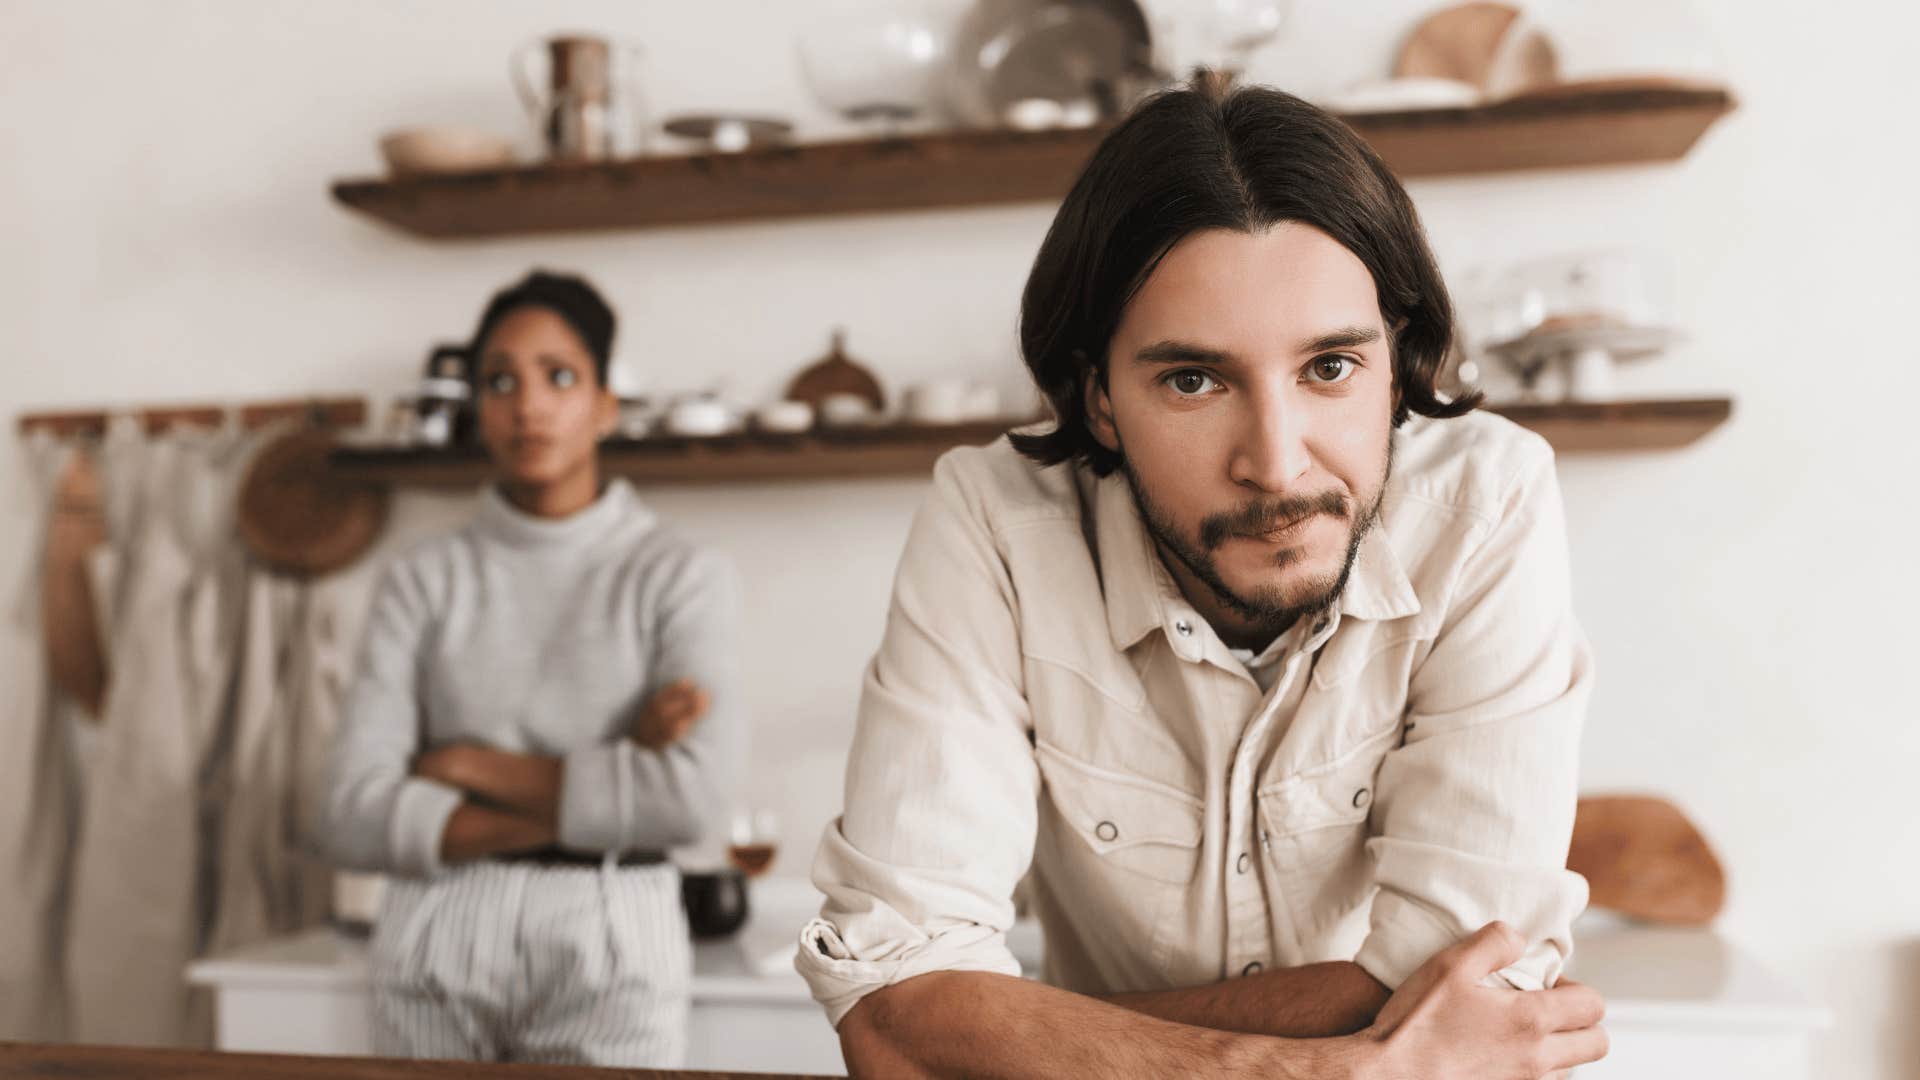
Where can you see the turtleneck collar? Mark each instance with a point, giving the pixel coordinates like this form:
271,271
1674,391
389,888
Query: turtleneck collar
501,520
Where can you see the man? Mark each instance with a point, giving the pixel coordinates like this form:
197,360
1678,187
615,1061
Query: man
1259,666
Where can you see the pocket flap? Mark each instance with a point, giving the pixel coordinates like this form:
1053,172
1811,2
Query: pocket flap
1114,810
1337,793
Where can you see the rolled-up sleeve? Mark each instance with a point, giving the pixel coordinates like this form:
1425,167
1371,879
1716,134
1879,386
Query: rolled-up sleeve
920,869
1475,809
621,796
375,815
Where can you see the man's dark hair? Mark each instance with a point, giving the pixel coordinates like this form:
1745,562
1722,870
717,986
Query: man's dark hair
579,304
1244,159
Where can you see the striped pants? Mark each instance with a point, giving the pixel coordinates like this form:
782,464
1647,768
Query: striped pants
504,961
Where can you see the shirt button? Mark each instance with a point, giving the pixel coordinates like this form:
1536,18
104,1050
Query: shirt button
1245,861
1184,627
1252,969
1361,798
1107,831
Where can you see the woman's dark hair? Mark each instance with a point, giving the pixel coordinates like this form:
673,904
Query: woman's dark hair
567,296
1242,159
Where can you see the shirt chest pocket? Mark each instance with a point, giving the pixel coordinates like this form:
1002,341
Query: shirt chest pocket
1315,823
1129,823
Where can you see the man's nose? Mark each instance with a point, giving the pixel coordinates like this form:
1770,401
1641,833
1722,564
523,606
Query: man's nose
1270,452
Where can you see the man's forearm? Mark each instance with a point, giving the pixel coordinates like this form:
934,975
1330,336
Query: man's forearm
1313,1001
475,831
979,1024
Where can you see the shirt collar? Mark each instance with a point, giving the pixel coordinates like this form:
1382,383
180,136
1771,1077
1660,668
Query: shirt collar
1135,583
1378,588
1142,596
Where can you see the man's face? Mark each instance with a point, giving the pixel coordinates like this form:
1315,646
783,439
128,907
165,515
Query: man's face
1250,389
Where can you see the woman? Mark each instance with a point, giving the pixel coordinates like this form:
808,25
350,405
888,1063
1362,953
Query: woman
520,746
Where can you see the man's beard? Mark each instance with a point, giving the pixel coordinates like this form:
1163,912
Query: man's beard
1268,607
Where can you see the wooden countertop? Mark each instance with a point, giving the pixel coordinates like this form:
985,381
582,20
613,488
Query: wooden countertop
84,1062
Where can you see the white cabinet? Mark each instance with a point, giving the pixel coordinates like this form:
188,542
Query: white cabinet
1682,1004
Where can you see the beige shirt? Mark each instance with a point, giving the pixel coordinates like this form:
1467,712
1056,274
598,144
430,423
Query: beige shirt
1045,699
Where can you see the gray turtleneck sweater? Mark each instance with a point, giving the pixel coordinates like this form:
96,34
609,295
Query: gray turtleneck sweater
538,636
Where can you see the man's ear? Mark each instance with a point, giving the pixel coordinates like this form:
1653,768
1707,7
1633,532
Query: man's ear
1099,410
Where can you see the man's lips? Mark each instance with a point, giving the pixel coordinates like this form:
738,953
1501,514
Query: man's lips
1284,532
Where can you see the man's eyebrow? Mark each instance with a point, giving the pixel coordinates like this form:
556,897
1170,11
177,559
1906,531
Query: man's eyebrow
1181,352
1344,338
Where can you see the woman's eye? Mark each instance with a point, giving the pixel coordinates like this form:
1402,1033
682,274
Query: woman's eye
501,383
563,377
1191,383
1330,369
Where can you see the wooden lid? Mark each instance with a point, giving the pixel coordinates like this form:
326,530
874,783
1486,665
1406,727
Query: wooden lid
297,515
836,374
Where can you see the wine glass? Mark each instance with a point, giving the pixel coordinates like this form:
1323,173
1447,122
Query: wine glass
752,839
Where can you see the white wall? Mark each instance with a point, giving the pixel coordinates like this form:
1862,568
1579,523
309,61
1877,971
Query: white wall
167,235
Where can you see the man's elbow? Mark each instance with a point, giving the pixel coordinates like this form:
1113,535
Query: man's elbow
872,1036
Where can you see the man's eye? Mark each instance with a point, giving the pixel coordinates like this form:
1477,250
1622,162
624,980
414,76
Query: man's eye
1191,383
563,377
501,383
1330,369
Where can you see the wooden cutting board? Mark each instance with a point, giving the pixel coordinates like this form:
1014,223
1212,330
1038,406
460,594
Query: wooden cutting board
833,374
1642,857
1483,44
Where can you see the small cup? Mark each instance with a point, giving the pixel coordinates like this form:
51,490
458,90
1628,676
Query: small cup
784,417
938,401
847,410
698,418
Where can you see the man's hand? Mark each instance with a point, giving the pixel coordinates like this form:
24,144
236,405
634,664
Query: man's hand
669,714
1442,1024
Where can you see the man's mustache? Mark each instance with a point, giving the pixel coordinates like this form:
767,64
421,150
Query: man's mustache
1264,516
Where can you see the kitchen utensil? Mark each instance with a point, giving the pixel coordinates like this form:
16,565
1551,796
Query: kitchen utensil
1231,30
848,411
301,517
1013,58
937,401
1575,315
429,150
1491,46
700,418
1404,94
716,901
590,109
784,417
836,373
726,133
879,66
1586,351
444,408
1642,857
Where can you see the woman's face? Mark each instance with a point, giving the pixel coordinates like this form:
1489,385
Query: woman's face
542,409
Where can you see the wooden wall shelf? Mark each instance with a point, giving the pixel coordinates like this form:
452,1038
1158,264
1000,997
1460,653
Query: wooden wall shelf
911,451
1601,126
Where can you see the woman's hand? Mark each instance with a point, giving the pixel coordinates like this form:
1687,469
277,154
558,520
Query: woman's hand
669,714
1442,1024
527,784
453,765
